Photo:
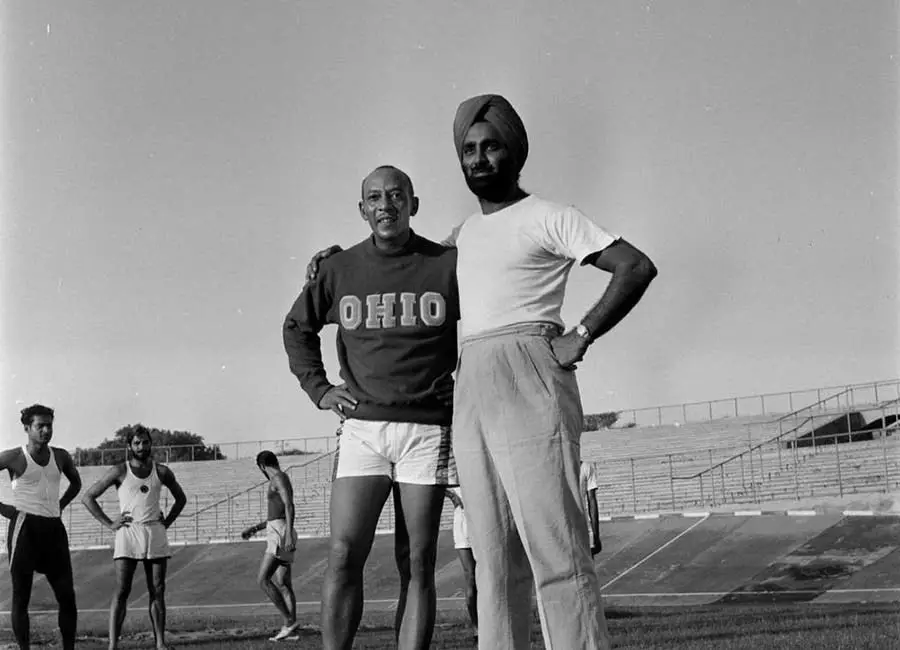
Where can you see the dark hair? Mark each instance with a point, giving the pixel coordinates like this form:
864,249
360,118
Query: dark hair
380,168
138,430
28,414
266,458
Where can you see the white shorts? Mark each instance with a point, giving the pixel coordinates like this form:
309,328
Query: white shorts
142,542
460,529
274,536
406,452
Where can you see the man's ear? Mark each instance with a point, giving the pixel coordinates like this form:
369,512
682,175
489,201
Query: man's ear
361,213
414,207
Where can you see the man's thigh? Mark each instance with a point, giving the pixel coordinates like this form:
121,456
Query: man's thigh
424,454
362,450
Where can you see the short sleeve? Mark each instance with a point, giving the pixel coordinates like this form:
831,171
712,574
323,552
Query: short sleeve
571,234
591,477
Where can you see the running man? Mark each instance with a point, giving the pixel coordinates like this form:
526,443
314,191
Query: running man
464,551
587,483
140,530
517,412
36,541
393,298
281,542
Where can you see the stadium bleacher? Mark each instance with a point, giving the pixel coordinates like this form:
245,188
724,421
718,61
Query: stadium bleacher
651,468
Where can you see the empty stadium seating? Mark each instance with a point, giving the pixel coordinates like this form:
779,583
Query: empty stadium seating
730,460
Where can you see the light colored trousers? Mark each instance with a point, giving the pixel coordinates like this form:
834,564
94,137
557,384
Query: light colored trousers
517,422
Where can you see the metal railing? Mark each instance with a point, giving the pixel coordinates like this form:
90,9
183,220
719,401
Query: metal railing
758,405
212,451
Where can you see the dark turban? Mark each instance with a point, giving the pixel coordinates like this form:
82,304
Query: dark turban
499,112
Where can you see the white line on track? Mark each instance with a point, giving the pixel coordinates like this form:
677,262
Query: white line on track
454,599
647,557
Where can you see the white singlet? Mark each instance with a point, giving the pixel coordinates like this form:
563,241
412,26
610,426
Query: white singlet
140,497
36,491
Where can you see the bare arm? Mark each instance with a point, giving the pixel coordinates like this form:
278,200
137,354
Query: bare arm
67,467
632,272
6,462
286,492
454,498
167,477
252,530
112,477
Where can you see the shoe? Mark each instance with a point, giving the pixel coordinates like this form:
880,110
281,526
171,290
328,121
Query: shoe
285,632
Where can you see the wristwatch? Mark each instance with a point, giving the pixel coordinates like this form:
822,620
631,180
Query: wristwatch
583,332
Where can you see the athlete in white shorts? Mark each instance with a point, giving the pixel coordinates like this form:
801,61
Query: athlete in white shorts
140,529
393,298
464,551
281,542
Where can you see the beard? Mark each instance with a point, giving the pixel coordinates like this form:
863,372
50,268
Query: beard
495,187
141,456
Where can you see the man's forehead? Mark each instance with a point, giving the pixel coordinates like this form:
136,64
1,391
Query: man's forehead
385,179
482,131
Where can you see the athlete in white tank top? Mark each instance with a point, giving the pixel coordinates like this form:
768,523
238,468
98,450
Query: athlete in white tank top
36,491
139,497
37,541
140,529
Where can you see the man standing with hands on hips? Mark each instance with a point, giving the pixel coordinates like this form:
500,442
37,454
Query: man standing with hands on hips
140,529
517,414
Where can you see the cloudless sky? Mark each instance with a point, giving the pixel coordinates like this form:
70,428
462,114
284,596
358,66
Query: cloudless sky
167,169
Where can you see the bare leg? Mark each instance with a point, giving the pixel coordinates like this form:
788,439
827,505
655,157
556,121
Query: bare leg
467,560
125,568
282,579
401,556
267,569
155,572
356,504
421,507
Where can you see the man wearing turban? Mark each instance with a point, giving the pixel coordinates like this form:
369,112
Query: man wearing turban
517,416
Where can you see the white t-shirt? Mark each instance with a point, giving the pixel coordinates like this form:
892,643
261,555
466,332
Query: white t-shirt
513,264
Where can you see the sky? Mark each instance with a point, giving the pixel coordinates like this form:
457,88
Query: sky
168,168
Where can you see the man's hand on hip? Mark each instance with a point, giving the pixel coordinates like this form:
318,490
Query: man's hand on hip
569,349
339,400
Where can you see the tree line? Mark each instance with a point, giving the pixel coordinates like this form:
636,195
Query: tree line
183,446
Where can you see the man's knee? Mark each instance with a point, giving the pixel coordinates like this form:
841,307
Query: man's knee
123,590
345,558
421,562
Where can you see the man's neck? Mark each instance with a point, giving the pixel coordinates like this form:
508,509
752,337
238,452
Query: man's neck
36,448
515,195
137,463
393,245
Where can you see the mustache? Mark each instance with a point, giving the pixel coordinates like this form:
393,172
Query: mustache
480,167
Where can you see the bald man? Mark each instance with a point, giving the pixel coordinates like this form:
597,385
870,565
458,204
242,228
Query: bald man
394,301
517,416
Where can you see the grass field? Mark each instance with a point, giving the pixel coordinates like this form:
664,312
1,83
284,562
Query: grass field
737,627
